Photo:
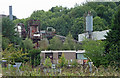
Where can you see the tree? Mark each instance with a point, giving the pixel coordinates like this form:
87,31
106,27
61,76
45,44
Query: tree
8,29
5,43
62,61
95,51
113,40
47,62
27,44
55,43
77,27
44,44
99,24
13,54
69,43
34,55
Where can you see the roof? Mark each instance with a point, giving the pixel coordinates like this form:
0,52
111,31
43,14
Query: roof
97,35
56,51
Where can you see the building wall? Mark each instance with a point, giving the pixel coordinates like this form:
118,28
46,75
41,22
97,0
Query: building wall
70,55
42,55
55,57
67,54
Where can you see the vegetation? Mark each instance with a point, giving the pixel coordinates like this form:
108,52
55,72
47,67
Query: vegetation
27,44
47,62
27,70
66,20
95,52
112,41
13,55
34,55
62,61
55,43
69,23
43,44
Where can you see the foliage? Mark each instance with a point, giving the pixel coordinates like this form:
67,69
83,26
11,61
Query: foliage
95,51
74,63
99,24
27,44
62,61
5,43
9,32
66,20
13,54
29,71
112,46
34,55
55,43
8,28
69,43
44,44
47,63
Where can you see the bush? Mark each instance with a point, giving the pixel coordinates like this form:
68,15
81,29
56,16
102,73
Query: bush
74,63
47,63
35,56
62,61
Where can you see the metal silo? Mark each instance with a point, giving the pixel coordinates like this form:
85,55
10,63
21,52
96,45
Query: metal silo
10,13
89,24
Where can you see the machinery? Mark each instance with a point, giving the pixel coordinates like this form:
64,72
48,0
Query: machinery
20,29
34,32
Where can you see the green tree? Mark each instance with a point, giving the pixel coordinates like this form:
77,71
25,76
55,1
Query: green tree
99,24
27,44
69,43
47,62
5,43
55,43
13,54
44,44
8,29
77,27
34,55
62,61
113,40
95,51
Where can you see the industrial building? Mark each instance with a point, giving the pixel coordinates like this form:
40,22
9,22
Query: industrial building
69,55
96,35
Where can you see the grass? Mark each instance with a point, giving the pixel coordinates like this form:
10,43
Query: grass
27,70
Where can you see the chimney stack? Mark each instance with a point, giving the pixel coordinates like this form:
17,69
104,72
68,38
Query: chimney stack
10,13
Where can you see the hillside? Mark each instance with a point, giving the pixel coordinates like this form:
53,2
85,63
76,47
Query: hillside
66,20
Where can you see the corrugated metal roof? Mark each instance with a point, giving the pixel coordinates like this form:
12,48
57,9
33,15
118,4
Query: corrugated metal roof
97,35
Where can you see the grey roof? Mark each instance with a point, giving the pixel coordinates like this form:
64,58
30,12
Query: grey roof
97,35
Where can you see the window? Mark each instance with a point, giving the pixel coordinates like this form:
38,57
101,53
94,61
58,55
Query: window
80,56
59,54
48,55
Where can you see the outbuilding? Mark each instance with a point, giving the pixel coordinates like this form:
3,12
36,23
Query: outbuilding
70,55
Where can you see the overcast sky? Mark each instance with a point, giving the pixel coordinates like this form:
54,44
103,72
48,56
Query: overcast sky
24,8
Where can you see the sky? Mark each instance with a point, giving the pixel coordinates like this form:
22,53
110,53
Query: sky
24,8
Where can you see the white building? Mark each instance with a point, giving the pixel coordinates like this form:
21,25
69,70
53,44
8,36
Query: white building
97,35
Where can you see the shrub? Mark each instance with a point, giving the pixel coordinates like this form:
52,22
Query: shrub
74,63
47,63
62,61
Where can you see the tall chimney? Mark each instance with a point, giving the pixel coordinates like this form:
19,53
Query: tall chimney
10,13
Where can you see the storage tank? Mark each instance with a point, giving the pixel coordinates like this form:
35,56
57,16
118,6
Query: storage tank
89,23
10,13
